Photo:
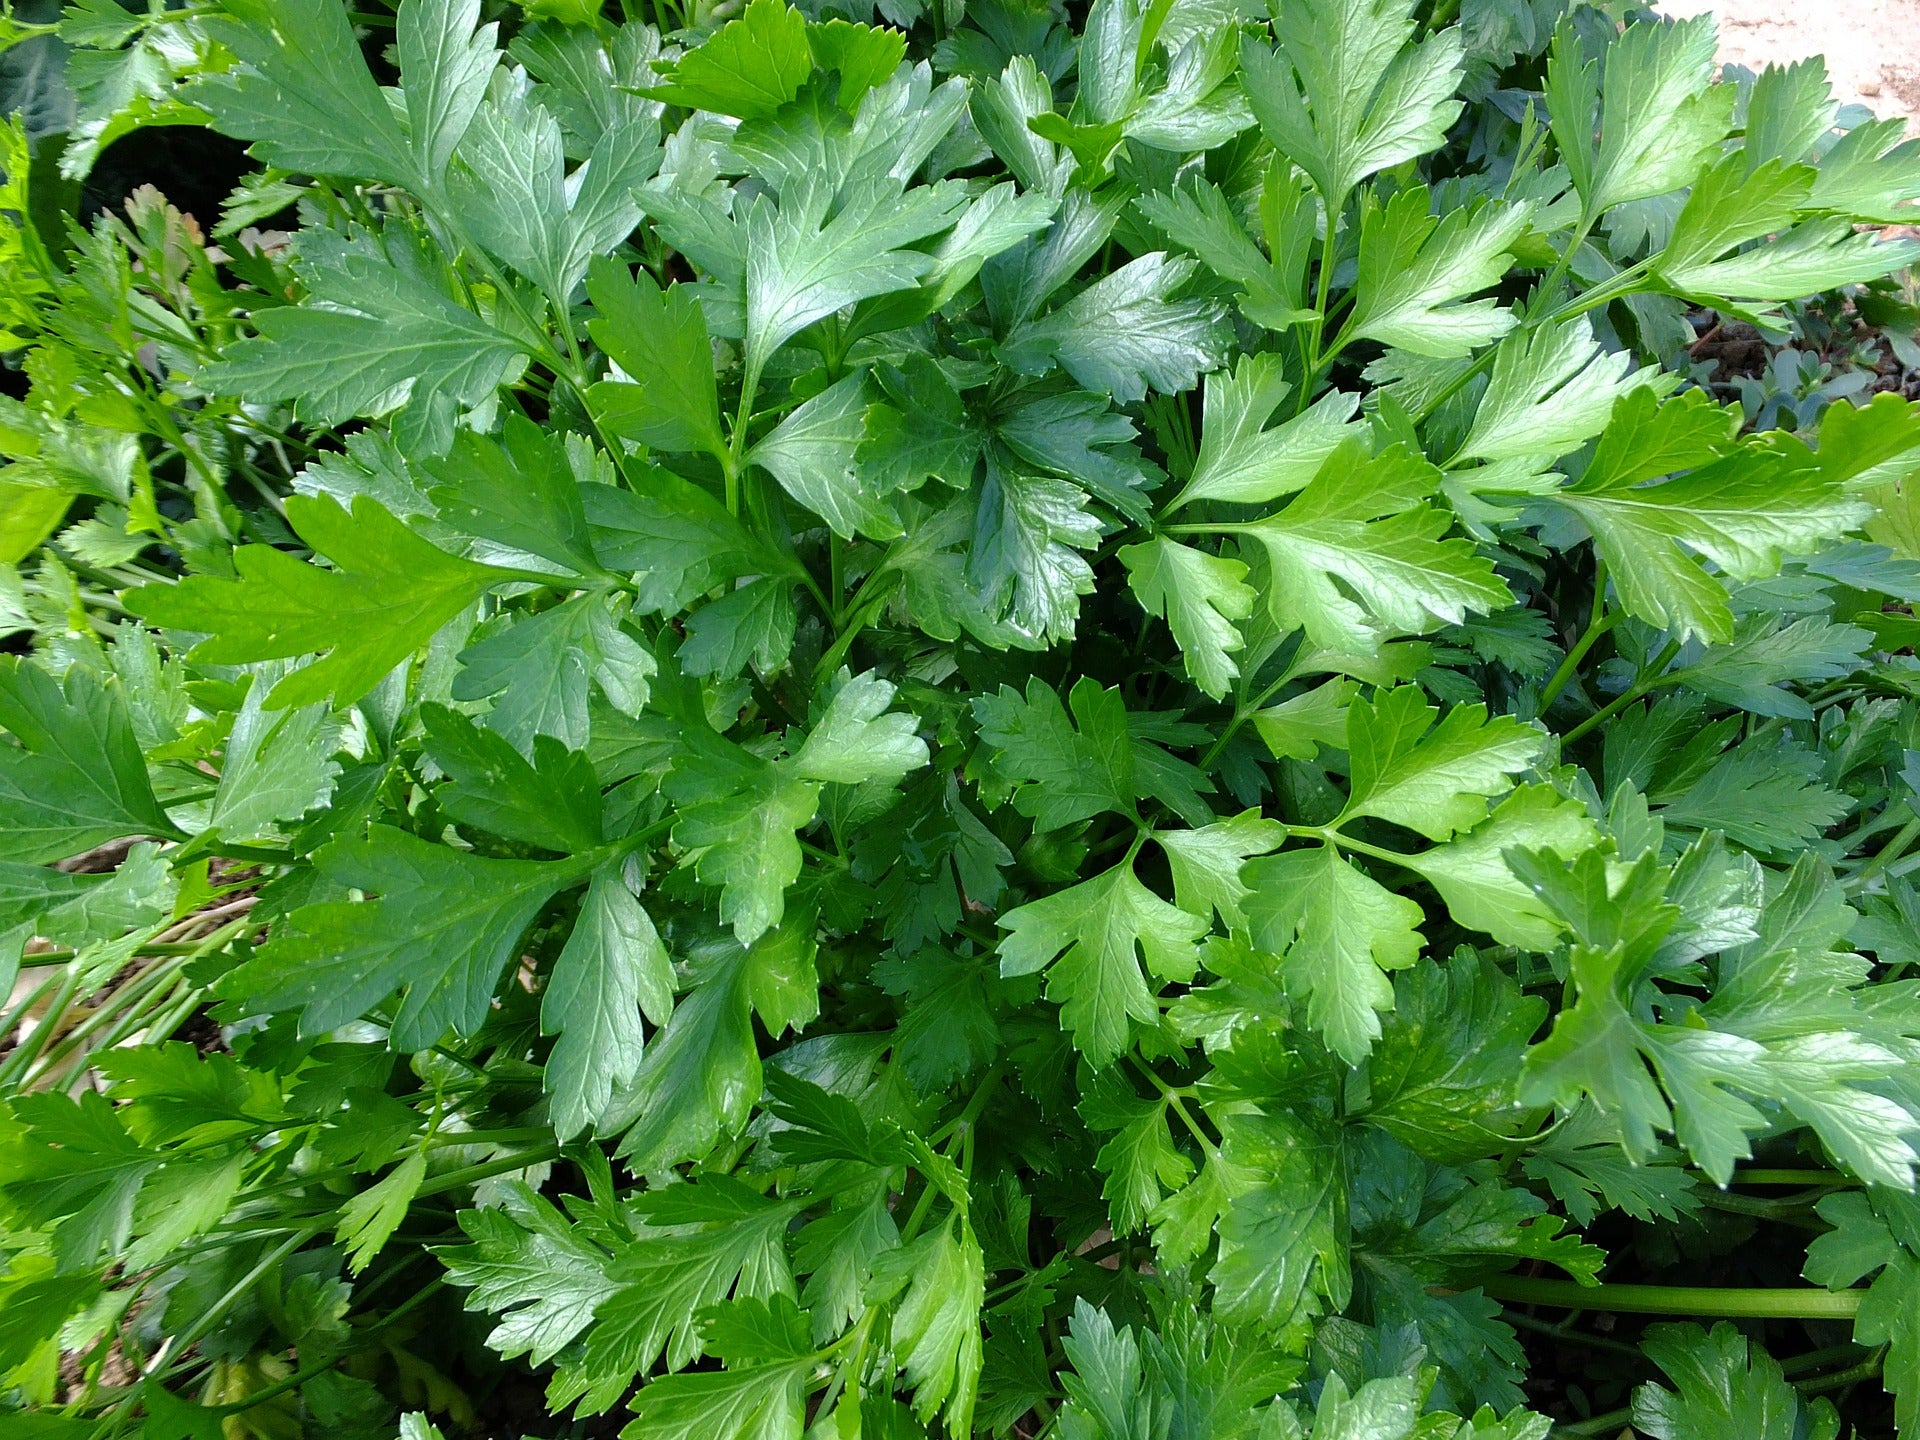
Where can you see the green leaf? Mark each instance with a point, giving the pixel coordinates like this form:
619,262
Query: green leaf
1358,555
1873,1232
1124,334
1197,217
370,1216
750,67
701,1074
518,493
541,1275
742,1402
719,1238
752,624
1347,96
611,968
1728,206
1206,862
540,668
367,328
936,1330
1140,1162
1241,461
738,812
552,801
441,930
389,593
1743,511
304,96
811,453
445,64
276,767
78,910
1093,936
855,741
803,265
74,1167
1023,565
1064,774
75,776
1300,727
1727,1390
1335,930
1660,117
1432,779
676,540
659,340
1552,389
1869,173
1481,890
1443,1073
921,431
1202,597
1417,270
736,823
1766,655
1283,1238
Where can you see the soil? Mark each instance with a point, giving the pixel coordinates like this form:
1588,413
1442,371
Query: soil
1872,47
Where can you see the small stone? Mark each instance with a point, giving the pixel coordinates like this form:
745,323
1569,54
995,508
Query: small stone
1869,87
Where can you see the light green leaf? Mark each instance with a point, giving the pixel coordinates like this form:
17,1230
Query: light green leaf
736,823
275,768
612,968
446,60
1202,597
1365,524
659,339
441,930
1728,1388
751,66
812,452
1437,780
802,266
1729,207
1552,389
1335,930
1743,512
370,1216
1481,891
1206,862
855,741
1659,119
1346,95
741,1402
1242,462
936,1330
388,595
368,333
1417,270
76,777
1100,924
1124,334
304,95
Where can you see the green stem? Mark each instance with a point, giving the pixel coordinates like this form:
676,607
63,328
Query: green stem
1598,1425
1598,623
1638,690
1890,852
474,1174
1868,1369
1789,1177
1796,1303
